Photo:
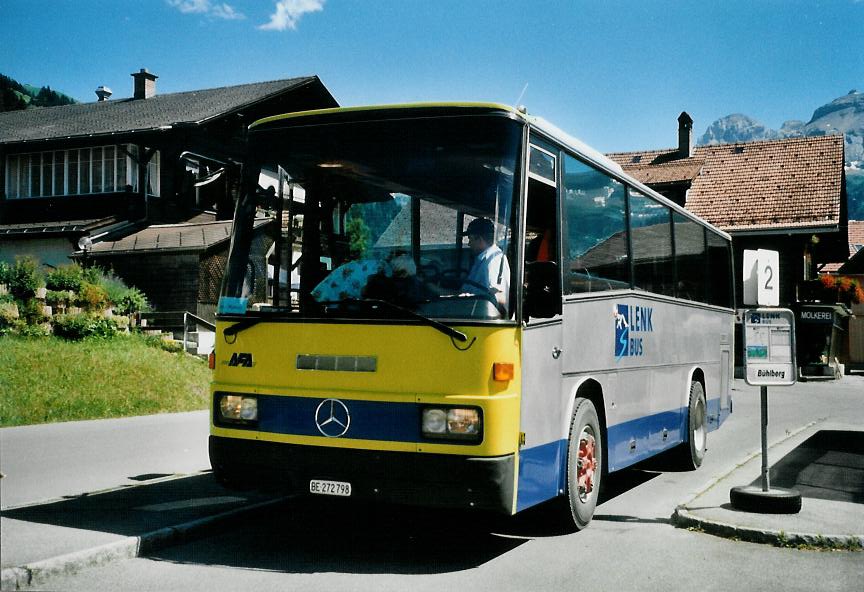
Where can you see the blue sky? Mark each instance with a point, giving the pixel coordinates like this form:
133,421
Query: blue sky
615,74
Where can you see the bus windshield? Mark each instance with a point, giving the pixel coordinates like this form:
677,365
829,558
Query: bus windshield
400,218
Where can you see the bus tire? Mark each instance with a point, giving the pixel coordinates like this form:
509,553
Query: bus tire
584,463
692,451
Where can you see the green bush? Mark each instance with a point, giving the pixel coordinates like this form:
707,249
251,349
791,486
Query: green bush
78,326
131,301
12,327
93,274
31,311
163,342
122,322
25,278
113,286
55,297
65,277
40,330
112,291
125,300
5,272
93,297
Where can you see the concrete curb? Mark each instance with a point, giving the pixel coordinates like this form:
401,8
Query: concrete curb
683,518
41,572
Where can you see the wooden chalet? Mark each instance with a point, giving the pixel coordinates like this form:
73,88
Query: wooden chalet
112,167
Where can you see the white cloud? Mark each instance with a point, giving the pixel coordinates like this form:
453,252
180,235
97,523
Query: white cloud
206,7
288,13
190,6
225,11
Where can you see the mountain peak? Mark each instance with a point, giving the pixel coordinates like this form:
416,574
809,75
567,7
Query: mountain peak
736,127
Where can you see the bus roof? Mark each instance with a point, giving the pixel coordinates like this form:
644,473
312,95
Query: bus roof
453,107
537,122
432,106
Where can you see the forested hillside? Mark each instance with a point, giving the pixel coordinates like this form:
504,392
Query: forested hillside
15,96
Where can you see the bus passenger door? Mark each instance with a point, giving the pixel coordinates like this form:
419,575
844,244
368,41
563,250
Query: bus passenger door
540,457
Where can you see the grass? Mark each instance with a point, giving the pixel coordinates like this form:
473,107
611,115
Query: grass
47,379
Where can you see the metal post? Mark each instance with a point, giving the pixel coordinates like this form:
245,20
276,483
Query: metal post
764,397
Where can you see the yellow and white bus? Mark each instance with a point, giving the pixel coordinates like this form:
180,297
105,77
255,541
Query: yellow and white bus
356,357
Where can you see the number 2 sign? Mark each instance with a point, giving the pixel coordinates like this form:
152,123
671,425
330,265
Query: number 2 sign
762,277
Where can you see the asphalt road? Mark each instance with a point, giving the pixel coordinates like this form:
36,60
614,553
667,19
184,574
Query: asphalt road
44,462
631,544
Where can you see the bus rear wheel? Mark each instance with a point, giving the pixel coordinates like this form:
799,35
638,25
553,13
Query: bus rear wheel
692,452
584,463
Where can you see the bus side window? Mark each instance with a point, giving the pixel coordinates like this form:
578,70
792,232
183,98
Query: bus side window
691,259
651,239
595,256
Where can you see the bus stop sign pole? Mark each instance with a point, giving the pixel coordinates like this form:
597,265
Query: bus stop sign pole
769,356
763,392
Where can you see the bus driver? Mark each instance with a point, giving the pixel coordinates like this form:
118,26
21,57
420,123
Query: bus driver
490,273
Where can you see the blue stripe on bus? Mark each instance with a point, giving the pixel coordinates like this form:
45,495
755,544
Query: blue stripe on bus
542,472
543,469
647,434
370,420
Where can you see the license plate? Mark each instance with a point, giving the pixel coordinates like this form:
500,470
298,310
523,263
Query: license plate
320,487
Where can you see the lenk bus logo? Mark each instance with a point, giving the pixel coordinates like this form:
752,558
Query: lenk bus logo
630,322
241,359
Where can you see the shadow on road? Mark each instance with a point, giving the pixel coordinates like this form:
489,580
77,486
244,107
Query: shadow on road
313,535
139,509
829,465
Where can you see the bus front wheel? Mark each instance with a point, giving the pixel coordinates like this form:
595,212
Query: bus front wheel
584,463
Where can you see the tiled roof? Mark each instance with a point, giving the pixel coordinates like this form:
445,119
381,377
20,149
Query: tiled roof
777,183
56,227
658,166
856,244
764,185
856,235
128,115
195,236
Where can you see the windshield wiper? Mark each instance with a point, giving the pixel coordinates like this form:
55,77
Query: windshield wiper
445,329
241,326
251,321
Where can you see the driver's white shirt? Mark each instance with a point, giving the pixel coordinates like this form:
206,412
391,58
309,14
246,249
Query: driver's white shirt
491,271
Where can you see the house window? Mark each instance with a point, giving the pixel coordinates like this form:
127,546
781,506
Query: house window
80,171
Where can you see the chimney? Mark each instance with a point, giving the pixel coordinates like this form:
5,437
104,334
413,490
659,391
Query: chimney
104,93
145,84
685,135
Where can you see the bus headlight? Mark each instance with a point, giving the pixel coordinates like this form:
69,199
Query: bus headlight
243,408
457,423
434,421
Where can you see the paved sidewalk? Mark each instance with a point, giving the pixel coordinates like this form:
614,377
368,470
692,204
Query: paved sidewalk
79,494
43,540
825,463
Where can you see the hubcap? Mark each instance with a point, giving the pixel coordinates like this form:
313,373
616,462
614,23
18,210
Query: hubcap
699,425
586,463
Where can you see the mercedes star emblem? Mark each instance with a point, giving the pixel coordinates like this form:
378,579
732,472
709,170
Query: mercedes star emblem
332,418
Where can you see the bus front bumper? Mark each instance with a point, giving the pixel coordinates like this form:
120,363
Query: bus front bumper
431,480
